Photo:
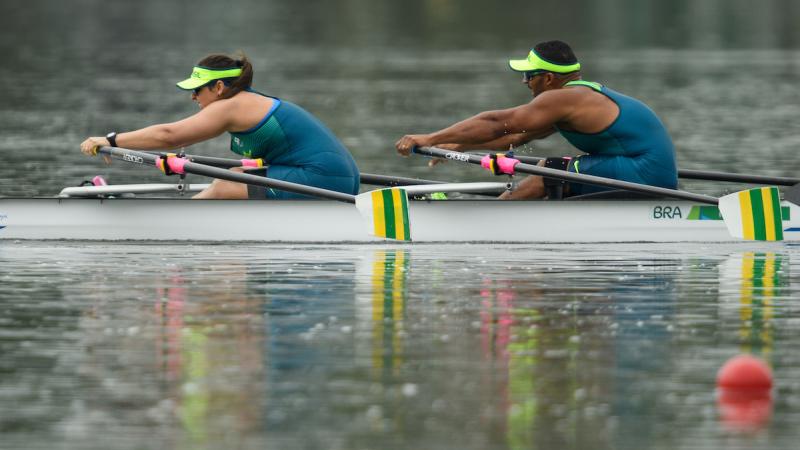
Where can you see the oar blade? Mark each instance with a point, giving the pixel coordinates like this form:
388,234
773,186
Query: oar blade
386,213
754,214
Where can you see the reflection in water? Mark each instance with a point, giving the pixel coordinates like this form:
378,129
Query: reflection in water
340,347
509,340
572,369
750,284
382,309
209,356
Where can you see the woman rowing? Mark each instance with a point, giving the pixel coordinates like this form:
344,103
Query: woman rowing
297,146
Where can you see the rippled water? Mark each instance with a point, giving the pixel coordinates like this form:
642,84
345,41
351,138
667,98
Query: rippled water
351,347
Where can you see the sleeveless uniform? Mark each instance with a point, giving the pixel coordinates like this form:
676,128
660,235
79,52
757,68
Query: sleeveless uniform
635,147
298,148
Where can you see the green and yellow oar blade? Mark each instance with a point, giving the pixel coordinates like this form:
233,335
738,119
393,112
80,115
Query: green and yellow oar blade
753,215
386,213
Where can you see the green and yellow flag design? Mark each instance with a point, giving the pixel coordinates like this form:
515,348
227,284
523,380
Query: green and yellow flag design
754,214
386,212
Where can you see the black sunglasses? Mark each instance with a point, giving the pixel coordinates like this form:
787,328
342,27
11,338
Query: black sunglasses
200,88
225,81
528,76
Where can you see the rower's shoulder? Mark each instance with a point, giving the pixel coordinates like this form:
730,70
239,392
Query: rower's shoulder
253,98
561,97
582,94
244,101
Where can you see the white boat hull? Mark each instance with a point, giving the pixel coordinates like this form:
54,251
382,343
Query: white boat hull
328,221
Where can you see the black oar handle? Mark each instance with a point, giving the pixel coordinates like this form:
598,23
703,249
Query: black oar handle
151,159
574,177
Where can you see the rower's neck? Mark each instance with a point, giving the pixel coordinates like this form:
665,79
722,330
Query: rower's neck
569,77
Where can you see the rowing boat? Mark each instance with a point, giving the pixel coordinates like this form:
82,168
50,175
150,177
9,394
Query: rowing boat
456,220
405,213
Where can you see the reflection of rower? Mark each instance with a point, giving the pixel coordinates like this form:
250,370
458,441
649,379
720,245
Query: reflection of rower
191,356
515,346
300,302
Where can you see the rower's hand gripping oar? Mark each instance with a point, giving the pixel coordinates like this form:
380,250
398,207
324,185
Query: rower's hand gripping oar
753,214
385,210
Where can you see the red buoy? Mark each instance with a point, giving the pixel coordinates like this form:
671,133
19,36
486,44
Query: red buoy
745,372
744,393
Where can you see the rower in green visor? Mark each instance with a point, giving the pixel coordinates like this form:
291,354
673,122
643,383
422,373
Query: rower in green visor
620,136
296,146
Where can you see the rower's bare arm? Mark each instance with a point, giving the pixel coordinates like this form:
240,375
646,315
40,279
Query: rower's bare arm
506,142
208,123
541,114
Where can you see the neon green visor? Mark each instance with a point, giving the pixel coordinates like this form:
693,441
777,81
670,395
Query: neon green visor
534,62
204,75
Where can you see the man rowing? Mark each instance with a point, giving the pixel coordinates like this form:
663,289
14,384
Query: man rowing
622,138
297,146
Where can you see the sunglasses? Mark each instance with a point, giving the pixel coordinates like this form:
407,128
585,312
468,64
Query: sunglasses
211,83
200,88
528,76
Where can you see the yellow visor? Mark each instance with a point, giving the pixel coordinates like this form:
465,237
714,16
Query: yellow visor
203,75
535,62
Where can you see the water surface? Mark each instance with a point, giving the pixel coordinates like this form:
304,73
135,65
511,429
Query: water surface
358,347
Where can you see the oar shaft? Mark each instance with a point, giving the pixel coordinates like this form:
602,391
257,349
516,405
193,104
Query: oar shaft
145,158
574,177
736,177
387,180
706,175
366,178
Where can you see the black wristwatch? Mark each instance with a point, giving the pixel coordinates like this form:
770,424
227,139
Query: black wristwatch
112,138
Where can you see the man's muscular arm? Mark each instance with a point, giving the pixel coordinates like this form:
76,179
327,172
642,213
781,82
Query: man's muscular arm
540,114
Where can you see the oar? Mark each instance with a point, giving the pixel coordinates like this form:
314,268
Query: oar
385,210
753,215
366,178
736,177
690,174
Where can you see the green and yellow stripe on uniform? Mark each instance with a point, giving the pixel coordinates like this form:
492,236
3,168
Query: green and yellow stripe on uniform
386,210
753,214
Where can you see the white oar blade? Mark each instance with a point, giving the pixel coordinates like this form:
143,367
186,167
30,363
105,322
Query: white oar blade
754,214
386,213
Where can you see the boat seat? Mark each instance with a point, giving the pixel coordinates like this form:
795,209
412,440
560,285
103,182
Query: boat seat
613,195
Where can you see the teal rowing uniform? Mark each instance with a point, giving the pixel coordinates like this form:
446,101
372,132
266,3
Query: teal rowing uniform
298,148
636,147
